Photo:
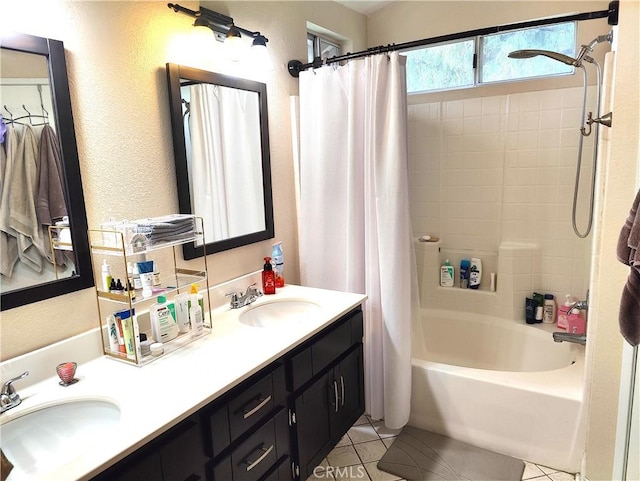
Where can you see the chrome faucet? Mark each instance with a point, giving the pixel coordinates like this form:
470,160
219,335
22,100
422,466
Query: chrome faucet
580,305
239,300
9,398
570,337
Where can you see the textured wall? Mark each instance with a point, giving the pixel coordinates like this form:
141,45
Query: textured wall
116,54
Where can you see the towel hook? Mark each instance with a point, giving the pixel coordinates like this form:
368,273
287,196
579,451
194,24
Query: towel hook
10,114
30,119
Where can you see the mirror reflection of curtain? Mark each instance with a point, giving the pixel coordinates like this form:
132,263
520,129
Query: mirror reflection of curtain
225,153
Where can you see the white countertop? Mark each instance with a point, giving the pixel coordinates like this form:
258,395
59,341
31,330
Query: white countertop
155,397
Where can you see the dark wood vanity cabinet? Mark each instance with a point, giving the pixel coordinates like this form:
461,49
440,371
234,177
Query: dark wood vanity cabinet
326,377
276,425
175,455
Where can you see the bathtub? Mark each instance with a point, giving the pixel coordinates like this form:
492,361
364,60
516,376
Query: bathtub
500,385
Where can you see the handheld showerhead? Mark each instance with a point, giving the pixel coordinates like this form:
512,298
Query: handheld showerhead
560,57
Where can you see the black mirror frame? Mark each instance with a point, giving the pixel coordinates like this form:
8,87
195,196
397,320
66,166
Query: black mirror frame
174,74
54,51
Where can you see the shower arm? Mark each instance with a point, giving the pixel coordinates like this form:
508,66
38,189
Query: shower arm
582,55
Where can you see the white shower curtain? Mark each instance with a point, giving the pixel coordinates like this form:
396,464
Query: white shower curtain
354,226
225,159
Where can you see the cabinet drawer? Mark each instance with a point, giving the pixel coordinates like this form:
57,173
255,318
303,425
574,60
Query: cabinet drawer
248,404
251,405
322,350
253,458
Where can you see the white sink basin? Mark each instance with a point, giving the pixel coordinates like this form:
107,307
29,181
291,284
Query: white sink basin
47,437
279,313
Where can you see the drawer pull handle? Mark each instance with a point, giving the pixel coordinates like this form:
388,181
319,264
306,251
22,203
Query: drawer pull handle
265,453
335,393
342,390
250,412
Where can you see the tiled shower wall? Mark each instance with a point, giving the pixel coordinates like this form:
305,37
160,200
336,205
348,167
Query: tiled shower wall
491,171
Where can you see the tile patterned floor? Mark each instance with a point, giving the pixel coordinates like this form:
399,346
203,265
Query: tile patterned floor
356,455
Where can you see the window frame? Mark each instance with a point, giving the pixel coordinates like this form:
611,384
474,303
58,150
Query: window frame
316,38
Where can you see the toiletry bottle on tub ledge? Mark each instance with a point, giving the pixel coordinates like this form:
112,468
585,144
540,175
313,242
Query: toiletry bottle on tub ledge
563,312
475,273
446,274
464,273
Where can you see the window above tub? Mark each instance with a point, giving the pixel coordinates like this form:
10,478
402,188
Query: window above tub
483,59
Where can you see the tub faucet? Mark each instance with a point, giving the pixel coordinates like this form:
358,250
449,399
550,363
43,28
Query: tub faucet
9,398
580,305
239,300
570,337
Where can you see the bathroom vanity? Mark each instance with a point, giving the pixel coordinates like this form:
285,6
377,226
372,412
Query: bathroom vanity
277,425
243,403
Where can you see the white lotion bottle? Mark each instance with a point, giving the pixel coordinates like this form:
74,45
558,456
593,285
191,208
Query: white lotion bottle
446,274
475,273
197,325
181,302
163,326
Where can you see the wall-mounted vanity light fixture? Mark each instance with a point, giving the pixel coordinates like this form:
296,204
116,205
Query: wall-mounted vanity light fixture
225,30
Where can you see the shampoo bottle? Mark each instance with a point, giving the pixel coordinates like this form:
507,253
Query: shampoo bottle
549,309
475,273
464,273
278,261
446,274
268,277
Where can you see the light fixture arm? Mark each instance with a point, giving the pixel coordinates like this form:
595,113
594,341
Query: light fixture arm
217,22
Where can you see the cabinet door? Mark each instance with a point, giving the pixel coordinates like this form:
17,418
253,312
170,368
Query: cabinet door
138,466
348,385
182,453
312,424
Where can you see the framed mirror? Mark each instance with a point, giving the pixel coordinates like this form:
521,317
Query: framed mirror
221,149
40,172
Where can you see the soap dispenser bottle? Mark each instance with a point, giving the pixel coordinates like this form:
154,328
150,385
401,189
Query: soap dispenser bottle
268,277
563,312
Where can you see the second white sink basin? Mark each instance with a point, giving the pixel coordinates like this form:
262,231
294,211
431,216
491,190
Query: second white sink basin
47,437
279,312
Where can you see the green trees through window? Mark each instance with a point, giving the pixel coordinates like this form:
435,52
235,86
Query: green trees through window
445,66
451,65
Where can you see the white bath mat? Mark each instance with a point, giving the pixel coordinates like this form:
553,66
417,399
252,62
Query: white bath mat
419,455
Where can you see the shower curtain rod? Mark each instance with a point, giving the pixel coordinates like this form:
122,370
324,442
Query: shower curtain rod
296,66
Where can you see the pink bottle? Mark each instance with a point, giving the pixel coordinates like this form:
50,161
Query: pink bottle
576,323
563,313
